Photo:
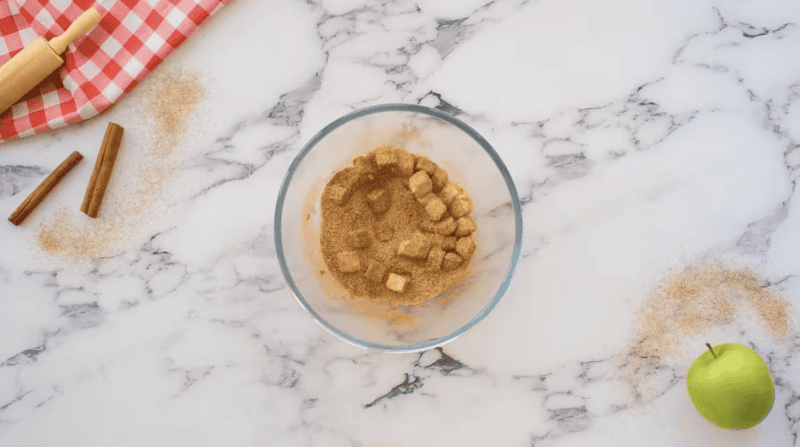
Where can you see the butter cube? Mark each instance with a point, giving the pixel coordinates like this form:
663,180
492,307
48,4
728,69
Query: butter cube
383,231
439,179
340,194
386,157
449,192
417,247
366,166
405,163
379,201
348,261
376,271
465,226
365,162
420,184
427,225
342,184
425,164
461,206
451,261
435,209
437,240
359,239
465,247
446,226
424,200
396,283
435,258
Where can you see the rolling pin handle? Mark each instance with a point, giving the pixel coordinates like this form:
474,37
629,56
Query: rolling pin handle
79,27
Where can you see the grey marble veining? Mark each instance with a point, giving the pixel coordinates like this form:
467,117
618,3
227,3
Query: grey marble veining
641,136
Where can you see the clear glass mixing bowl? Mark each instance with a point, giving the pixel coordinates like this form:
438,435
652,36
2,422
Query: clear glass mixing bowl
468,158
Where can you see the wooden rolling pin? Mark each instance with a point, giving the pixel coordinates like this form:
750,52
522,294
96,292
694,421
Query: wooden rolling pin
39,59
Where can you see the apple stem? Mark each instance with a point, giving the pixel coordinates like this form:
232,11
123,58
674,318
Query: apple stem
712,351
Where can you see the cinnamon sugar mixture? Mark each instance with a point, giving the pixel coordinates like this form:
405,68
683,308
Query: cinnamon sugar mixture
395,229
689,305
144,169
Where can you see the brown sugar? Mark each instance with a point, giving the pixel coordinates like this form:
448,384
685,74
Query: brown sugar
385,232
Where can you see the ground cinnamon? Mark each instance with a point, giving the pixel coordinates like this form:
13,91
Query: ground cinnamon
389,227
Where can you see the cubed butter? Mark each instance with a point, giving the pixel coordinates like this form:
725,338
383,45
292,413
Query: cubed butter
435,258
451,261
435,209
446,226
366,166
359,239
439,179
449,192
425,164
417,247
340,194
465,247
461,206
420,184
465,226
383,231
405,163
436,240
386,157
348,261
376,271
396,283
424,200
427,225
379,201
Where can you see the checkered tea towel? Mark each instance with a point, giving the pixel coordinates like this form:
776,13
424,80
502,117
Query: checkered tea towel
132,39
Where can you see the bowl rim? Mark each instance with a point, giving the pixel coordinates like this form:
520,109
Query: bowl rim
412,108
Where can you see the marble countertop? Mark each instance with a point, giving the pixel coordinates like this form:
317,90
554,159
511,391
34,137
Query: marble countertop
643,136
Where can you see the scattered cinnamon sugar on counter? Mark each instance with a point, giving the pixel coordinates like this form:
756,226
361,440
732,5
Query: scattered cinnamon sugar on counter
173,107
690,304
170,101
395,228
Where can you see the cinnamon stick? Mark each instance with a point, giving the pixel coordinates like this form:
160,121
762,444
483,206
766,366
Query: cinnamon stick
41,191
102,170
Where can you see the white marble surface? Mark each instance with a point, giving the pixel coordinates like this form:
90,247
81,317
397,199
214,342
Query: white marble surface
642,135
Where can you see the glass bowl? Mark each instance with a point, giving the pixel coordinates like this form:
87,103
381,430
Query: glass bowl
468,158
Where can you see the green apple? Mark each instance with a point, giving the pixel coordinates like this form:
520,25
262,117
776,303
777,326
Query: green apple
730,384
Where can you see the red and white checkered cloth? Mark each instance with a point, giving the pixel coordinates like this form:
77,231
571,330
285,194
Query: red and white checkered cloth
133,38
